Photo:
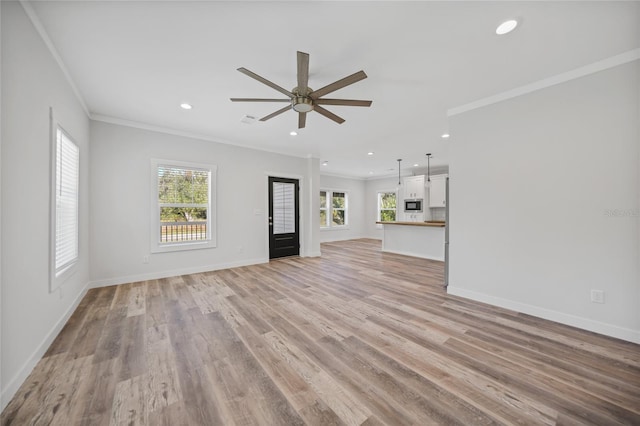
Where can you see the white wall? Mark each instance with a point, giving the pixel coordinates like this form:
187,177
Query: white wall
121,208
534,180
31,83
356,210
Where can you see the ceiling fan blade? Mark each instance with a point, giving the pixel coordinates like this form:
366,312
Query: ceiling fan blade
258,100
303,72
278,112
353,78
302,120
265,81
328,114
348,102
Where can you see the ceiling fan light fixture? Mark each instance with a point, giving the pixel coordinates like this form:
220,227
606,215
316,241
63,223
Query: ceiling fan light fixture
302,104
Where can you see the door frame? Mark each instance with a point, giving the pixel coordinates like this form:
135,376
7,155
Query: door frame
301,205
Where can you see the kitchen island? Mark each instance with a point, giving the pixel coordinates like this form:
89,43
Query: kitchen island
418,239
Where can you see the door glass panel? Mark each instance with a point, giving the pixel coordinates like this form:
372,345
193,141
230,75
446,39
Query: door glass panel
284,208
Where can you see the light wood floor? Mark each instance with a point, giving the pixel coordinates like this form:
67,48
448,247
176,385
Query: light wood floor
354,337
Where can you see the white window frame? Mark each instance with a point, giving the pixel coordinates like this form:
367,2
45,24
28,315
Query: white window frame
329,225
59,274
156,246
379,207
326,208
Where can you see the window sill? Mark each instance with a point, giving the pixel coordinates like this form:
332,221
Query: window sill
58,279
334,228
171,247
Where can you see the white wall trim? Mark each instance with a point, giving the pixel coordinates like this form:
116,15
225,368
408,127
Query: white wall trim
343,238
33,17
551,315
170,131
175,272
343,176
21,375
611,62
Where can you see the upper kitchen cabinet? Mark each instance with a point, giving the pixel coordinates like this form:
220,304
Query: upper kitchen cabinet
438,191
414,187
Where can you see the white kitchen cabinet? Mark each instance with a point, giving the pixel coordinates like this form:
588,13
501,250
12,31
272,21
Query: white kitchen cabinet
414,187
414,217
438,191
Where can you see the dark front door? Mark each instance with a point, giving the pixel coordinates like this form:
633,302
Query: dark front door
284,218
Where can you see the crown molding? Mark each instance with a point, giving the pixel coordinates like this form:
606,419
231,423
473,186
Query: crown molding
170,131
35,21
611,62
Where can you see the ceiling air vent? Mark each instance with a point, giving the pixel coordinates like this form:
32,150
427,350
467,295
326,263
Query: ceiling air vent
248,119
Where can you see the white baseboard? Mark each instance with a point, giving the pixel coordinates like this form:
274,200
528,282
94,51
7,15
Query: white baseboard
408,253
331,236
174,273
548,314
23,372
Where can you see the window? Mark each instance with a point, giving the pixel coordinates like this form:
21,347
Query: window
386,206
66,169
323,209
183,206
333,209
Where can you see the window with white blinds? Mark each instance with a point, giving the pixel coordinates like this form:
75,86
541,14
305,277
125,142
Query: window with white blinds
284,208
183,205
67,171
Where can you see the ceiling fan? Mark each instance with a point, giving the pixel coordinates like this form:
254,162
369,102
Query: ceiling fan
302,98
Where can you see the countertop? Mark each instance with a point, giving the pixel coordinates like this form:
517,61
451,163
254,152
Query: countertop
434,224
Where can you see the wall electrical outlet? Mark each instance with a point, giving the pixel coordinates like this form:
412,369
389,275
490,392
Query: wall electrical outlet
145,259
597,296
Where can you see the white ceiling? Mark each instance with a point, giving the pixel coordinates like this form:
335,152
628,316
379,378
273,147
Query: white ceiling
138,61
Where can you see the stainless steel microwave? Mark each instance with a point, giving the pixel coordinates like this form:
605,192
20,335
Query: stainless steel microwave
413,205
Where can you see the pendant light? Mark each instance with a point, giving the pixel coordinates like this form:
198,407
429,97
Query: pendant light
399,160
428,169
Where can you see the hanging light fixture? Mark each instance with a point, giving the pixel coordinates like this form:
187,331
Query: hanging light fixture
399,160
428,169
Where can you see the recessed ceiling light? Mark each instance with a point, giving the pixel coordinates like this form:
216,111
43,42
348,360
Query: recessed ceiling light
325,163
370,153
416,165
506,27
370,173
445,136
293,133
185,106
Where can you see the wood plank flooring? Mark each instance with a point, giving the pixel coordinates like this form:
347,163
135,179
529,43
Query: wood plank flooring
356,337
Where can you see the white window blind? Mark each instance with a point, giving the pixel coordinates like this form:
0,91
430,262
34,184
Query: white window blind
67,177
283,208
183,206
183,201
